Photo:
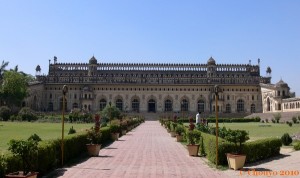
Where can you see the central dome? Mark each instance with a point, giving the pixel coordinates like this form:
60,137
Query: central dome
211,61
93,60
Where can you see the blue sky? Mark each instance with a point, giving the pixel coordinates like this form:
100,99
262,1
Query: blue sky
153,31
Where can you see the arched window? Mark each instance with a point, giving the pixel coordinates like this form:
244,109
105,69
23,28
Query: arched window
228,108
268,104
151,105
252,108
50,106
240,105
184,105
201,106
135,105
119,104
168,105
102,104
75,105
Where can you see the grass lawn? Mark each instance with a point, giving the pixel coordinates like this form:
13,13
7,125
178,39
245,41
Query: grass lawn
259,130
22,130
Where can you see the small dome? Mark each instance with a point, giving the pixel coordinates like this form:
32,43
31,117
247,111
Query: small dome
211,61
38,68
281,84
93,60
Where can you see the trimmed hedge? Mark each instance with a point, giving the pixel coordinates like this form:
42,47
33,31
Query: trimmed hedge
228,120
255,150
222,120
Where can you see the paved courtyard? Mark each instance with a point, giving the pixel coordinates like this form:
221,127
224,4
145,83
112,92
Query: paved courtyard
147,151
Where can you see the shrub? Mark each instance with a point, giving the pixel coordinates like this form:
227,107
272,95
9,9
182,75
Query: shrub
111,112
5,113
286,139
273,121
299,118
27,114
290,124
294,119
277,117
193,137
179,129
3,165
297,146
237,137
267,120
26,150
71,131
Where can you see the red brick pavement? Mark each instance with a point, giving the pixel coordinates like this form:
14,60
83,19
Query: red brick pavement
147,151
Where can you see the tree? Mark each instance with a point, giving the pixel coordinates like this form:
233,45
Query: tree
110,112
14,88
2,69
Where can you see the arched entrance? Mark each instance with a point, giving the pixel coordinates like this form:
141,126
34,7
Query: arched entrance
151,105
268,104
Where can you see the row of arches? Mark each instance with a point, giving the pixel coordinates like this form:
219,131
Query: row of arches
168,105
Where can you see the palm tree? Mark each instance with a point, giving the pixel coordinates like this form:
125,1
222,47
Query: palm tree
2,69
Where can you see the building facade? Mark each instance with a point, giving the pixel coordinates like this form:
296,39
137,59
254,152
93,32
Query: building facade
149,87
278,98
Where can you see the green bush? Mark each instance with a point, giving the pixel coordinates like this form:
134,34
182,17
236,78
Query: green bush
297,146
27,114
294,119
3,165
193,136
71,131
255,150
229,120
286,139
5,113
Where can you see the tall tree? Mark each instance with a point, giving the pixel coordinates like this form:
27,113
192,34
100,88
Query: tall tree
2,69
13,88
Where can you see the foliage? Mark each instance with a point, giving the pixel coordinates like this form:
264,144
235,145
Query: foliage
179,129
294,118
93,136
286,139
255,150
14,88
27,114
230,120
5,113
173,126
237,136
110,112
277,117
114,128
297,146
193,136
71,131
3,165
26,150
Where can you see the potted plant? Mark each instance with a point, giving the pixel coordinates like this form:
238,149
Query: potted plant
179,132
236,159
124,127
193,137
173,128
115,129
27,151
94,138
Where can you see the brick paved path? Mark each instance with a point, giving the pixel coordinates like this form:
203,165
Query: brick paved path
147,151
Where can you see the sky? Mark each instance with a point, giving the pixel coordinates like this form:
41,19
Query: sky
153,31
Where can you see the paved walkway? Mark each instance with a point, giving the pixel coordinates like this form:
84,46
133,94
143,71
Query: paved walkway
147,151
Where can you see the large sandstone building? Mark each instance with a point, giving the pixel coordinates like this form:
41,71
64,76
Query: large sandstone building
150,88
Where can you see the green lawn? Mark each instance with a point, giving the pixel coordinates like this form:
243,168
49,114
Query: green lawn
257,131
22,130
